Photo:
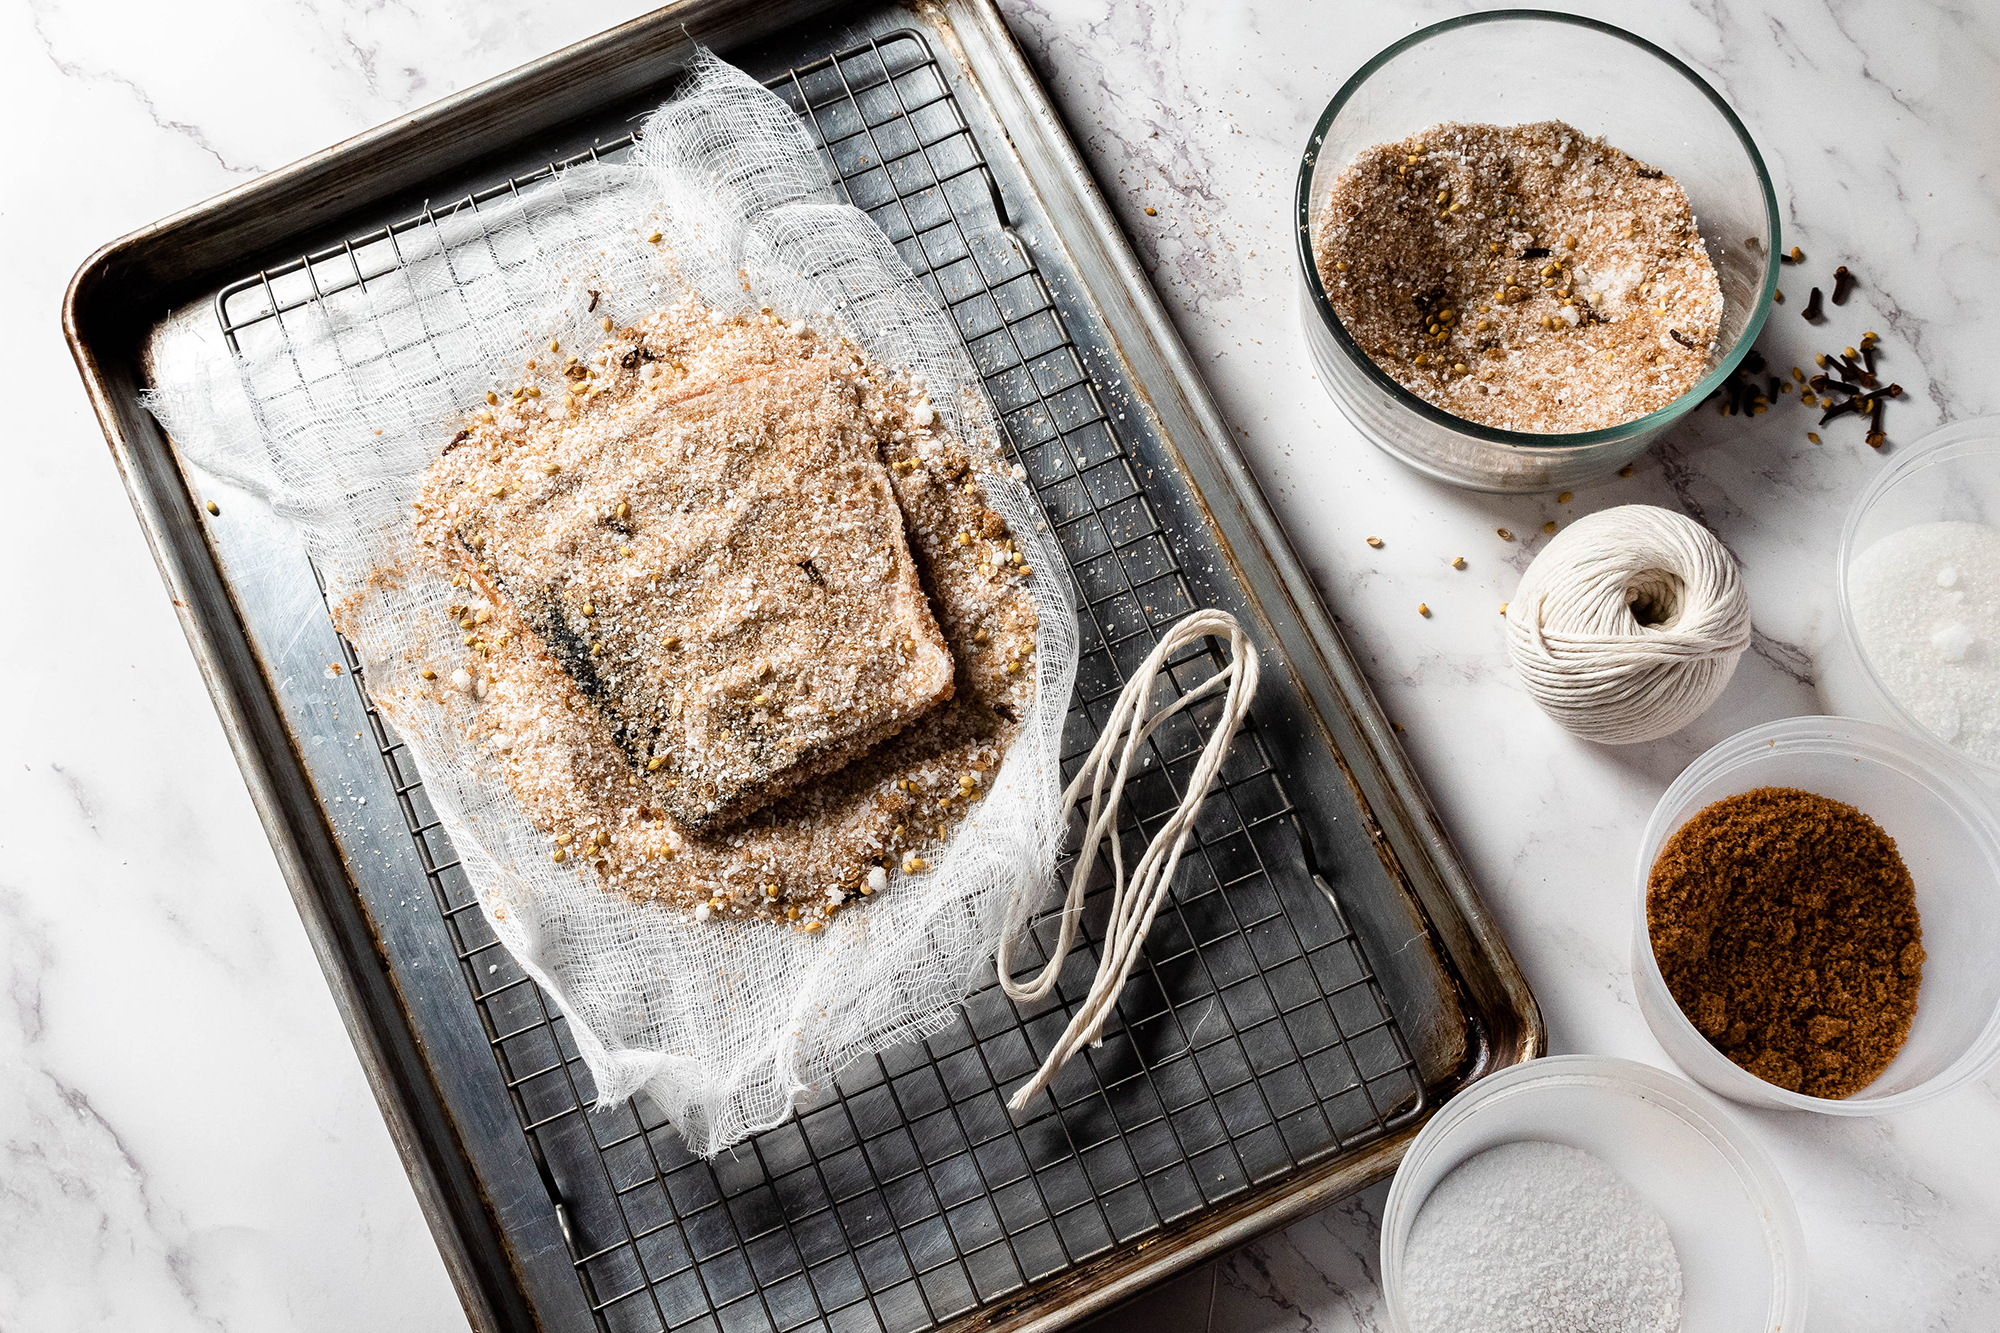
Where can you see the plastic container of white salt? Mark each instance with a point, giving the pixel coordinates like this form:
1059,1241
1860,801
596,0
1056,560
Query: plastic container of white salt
1919,586
1742,1254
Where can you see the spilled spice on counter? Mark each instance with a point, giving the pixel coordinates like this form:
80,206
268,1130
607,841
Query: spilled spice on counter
1861,390
1786,927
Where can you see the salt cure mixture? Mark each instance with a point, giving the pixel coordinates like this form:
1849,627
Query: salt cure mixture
1520,276
1926,604
739,630
1540,1238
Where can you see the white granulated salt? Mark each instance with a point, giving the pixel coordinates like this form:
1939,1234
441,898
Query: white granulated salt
1926,604
1540,1238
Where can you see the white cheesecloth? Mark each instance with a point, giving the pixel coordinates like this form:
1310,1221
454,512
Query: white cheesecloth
1629,624
334,412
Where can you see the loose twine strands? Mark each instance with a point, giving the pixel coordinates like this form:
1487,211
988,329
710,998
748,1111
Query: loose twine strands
1629,624
1103,775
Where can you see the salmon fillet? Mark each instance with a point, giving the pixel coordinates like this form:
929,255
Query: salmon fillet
701,530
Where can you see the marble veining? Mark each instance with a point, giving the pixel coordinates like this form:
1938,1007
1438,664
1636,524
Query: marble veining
188,1141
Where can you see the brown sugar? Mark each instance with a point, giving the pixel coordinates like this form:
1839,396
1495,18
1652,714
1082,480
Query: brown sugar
727,550
1523,276
1786,927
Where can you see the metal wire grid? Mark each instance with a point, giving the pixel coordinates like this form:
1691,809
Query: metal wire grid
1256,1040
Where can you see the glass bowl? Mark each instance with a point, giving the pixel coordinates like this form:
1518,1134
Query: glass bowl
1951,475
1513,67
1742,1253
1932,804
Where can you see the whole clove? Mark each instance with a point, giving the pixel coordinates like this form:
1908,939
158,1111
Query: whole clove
1813,313
1843,285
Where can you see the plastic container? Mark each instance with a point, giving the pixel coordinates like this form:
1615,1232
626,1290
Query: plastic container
1951,475
1514,67
1931,802
1742,1254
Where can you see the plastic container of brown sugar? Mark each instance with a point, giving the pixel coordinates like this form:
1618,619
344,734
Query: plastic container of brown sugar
1512,67
1933,803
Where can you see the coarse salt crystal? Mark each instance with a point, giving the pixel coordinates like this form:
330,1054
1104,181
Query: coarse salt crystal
1952,642
878,879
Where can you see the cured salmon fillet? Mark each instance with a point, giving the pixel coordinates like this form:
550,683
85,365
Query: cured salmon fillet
705,537
763,549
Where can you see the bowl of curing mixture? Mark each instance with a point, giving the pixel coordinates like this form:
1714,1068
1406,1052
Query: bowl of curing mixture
1583,1192
1920,589
1816,910
1528,244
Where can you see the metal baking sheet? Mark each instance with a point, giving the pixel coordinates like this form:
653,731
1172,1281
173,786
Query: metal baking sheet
1326,975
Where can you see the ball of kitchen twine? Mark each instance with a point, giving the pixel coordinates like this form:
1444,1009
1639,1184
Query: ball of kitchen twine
1629,624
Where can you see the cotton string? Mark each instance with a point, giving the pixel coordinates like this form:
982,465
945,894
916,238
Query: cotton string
1103,776
1629,624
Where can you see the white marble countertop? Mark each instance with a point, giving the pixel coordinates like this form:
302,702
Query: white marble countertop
188,1139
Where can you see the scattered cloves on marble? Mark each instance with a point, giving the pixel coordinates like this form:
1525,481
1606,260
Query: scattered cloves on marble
1812,312
1852,373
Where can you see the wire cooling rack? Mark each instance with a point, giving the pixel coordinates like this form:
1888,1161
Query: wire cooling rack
1253,1042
